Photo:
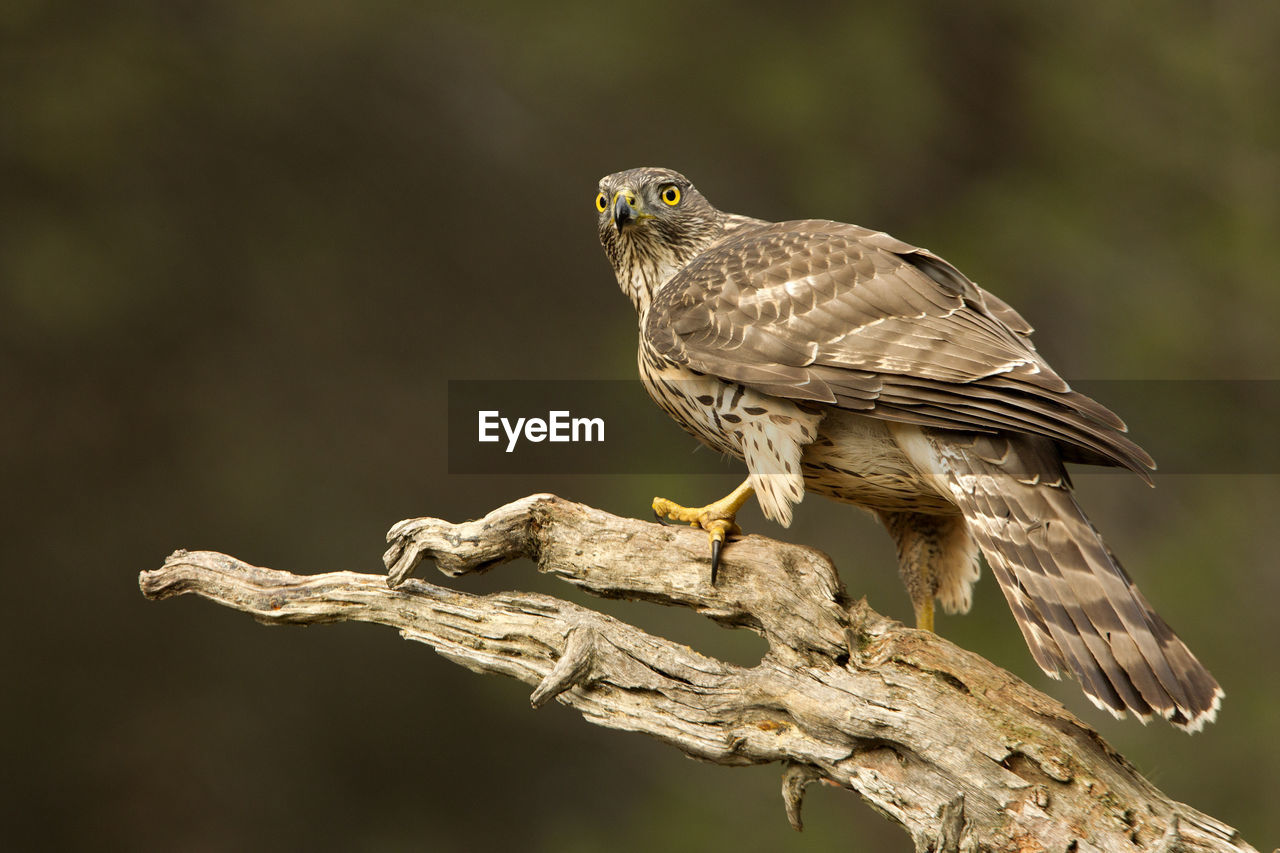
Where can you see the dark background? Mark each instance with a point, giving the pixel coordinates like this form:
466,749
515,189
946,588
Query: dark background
243,247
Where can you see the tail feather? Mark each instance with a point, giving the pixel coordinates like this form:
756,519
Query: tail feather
1075,604
1002,540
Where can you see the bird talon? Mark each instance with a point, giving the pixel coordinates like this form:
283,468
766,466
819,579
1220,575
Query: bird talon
720,529
664,509
717,519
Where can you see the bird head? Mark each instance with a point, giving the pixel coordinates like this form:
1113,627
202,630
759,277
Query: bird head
651,221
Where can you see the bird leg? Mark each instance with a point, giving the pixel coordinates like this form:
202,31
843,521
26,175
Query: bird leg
923,541
924,614
717,518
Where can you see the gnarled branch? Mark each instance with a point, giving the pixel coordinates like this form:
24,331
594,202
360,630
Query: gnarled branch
961,753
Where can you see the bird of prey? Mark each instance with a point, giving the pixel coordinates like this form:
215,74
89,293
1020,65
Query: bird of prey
842,361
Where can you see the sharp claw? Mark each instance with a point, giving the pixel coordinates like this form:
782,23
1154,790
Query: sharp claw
717,519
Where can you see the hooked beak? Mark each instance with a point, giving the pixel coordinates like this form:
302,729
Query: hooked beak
624,211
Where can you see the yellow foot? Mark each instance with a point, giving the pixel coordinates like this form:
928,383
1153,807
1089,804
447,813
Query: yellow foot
716,518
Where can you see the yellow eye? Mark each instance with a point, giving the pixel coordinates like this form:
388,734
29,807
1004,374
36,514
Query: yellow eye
602,203
671,195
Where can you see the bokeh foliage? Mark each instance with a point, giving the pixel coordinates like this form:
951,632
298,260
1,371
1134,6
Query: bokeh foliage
244,245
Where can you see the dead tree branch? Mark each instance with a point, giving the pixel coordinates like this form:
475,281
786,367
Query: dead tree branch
959,752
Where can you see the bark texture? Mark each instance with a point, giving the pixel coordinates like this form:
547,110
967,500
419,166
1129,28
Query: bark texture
962,754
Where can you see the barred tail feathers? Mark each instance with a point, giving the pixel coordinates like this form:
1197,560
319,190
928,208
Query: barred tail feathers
1077,608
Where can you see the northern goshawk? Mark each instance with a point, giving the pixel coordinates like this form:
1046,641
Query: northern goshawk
842,361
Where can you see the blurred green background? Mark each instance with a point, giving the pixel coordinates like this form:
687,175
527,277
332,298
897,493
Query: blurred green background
244,245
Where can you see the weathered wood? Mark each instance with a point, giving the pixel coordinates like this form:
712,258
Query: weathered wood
959,752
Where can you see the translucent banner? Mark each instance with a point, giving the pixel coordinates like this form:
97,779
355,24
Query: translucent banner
612,427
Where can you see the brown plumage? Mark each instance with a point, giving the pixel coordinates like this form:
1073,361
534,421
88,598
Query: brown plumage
842,361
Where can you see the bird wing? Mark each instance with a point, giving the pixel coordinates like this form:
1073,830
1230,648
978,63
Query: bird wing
832,313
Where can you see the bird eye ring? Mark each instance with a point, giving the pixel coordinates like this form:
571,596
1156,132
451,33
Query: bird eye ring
602,203
671,195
